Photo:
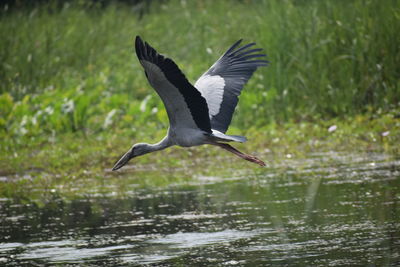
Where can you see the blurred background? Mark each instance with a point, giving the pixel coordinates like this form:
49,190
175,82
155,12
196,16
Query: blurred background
69,66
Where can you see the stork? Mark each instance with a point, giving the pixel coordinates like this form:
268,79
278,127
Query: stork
198,114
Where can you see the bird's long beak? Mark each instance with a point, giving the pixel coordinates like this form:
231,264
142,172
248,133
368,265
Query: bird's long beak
122,161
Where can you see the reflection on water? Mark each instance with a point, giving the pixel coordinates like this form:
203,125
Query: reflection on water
327,210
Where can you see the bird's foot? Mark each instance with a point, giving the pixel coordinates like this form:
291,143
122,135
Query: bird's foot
255,160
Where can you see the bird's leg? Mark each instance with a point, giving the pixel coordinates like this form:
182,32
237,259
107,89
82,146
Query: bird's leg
240,154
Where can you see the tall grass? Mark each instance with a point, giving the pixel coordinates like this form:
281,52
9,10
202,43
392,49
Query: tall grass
73,69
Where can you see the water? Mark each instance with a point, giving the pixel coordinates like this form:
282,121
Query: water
333,209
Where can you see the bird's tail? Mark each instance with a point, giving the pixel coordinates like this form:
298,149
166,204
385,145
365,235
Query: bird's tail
227,138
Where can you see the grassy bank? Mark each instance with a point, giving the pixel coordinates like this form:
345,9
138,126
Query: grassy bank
70,164
73,69
73,97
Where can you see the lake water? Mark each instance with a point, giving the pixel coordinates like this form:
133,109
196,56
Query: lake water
329,209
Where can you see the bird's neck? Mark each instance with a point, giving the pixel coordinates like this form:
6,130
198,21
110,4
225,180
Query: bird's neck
164,143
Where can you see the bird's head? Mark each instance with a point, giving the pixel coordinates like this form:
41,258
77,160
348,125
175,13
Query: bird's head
135,151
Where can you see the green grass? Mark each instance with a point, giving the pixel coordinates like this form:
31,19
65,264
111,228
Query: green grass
69,69
73,164
73,96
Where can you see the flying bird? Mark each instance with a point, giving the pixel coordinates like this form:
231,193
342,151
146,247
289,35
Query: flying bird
198,114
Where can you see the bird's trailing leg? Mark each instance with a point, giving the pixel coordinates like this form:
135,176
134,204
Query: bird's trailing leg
240,154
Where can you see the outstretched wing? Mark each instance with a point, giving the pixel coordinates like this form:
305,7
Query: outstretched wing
222,83
185,105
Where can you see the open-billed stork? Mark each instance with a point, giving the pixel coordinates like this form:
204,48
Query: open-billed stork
198,114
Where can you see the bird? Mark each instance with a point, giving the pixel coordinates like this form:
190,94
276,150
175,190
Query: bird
198,114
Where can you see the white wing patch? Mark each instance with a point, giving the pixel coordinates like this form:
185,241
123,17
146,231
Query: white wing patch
212,89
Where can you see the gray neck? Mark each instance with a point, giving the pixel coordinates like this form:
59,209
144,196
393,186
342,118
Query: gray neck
163,144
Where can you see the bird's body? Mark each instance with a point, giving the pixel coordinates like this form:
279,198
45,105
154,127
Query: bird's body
198,114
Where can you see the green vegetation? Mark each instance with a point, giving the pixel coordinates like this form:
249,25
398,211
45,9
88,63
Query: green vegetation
70,164
73,96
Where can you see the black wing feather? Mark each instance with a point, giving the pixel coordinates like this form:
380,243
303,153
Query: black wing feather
193,98
235,66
